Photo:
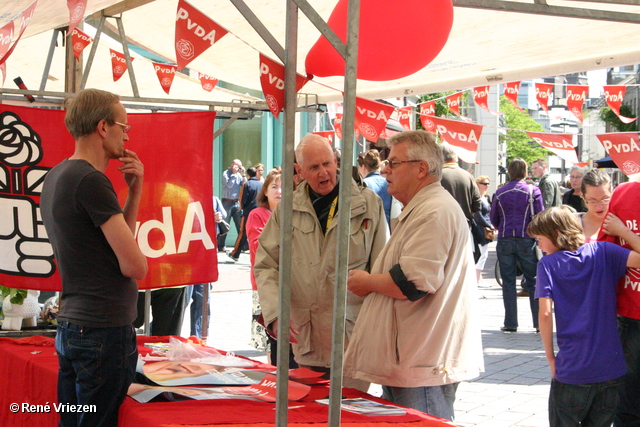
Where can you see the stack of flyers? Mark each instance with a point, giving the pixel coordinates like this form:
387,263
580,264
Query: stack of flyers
367,407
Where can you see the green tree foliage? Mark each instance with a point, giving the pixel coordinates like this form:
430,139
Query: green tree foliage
518,142
608,116
441,104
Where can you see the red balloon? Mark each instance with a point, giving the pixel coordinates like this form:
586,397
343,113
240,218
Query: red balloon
396,39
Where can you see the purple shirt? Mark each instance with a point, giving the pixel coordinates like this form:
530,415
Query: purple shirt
582,285
511,208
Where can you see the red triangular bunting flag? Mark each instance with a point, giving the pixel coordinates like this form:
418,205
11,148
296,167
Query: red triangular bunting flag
575,99
404,117
462,136
79,41
453,103
195,33
624,150
118,64
77,9
328,134
614,96
337,125
544,92
481,96
272,82
427,109
511,91
166,73
6,35
207,82
559,143
26,18
371,118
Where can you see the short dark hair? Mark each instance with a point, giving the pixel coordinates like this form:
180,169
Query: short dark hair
252,172
517,169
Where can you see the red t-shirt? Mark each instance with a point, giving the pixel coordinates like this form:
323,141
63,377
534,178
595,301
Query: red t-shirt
624,204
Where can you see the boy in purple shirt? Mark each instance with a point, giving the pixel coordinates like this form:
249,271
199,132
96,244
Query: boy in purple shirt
580,280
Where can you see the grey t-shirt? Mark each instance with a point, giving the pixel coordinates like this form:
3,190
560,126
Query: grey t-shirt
76,200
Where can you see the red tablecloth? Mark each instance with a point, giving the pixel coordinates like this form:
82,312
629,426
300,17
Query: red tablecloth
29,373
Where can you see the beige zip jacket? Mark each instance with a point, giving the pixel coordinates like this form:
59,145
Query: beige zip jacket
313,262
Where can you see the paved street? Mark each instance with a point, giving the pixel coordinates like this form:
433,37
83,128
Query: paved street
511,392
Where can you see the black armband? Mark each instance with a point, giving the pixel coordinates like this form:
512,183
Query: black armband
407,287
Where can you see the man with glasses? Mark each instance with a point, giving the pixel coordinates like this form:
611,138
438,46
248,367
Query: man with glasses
550,190
98,257
417,333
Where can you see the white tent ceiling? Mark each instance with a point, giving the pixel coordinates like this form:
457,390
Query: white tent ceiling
485,47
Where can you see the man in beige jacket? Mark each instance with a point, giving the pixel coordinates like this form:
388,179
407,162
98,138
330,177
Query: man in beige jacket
313,254
417,334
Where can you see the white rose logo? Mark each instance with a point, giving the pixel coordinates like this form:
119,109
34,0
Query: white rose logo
272,102
78,47
368,131
185,49
208,87
78,13
630,167
431,127
166,82
119,70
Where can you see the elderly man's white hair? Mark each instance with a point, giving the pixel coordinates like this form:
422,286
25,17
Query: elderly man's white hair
422,145
309,138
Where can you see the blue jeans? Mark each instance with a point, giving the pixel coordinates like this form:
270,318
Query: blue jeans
432,400
583,404
197,298
628,411
96,368
511,251
233,213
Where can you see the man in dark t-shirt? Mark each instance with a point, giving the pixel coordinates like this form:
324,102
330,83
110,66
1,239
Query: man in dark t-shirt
98,258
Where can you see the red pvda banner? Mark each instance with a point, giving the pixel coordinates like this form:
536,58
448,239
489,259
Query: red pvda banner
624,149
560,144
462,136
175,227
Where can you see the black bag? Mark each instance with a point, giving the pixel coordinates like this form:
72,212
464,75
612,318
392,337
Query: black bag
224,227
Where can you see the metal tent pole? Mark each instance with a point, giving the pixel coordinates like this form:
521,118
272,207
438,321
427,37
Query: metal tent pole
286,234
344,209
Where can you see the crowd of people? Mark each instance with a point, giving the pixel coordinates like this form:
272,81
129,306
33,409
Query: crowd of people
411,316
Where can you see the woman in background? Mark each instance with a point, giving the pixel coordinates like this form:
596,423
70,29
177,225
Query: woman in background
267,200
369,170
596,192
574,196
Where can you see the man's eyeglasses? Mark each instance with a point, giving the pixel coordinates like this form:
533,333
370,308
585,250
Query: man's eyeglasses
125,128
597,202
395,163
